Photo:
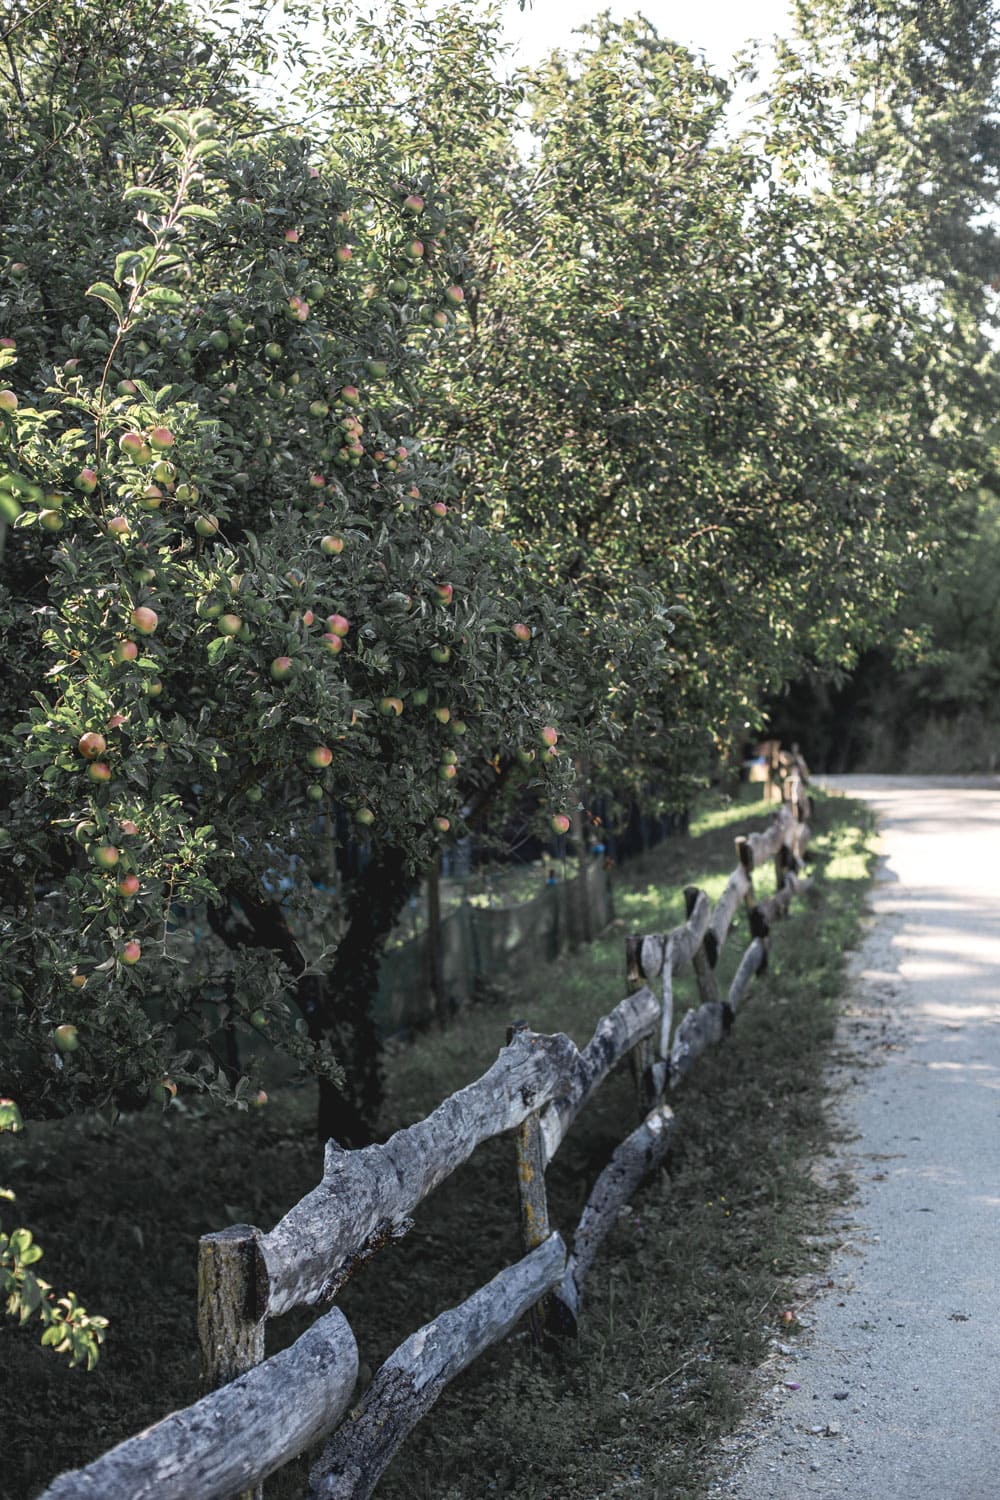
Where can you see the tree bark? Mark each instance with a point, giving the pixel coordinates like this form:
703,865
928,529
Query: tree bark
337,1005
343,1003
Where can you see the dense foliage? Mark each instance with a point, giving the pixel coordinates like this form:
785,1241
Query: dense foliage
430,450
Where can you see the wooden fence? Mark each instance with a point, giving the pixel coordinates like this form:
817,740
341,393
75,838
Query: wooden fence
265,1412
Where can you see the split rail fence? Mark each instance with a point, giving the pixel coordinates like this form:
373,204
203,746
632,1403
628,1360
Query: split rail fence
261,1413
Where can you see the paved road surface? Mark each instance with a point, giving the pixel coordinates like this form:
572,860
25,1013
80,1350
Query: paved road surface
898,1371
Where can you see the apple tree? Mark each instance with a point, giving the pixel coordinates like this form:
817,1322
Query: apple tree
252,620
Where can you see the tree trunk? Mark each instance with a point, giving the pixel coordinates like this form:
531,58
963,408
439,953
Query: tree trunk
342,1012
337,1005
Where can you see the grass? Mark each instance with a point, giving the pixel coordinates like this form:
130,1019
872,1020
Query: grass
679,1308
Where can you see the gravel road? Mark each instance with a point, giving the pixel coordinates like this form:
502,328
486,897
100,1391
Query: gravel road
892,1389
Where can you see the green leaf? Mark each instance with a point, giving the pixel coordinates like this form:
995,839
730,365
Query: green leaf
163,296
199,211
176,127
149,195
217,648
107,295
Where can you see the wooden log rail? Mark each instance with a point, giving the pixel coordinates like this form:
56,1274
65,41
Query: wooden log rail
268,1411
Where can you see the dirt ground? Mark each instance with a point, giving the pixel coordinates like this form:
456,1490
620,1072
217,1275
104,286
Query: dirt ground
890,1387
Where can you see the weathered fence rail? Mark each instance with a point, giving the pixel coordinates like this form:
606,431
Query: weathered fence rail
269,1411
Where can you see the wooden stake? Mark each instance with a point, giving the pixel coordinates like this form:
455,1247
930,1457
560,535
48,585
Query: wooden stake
532,1198
232,1296
642,1059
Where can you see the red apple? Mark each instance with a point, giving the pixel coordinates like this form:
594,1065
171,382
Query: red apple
447,773
127,826
549,735
442,715
128,885
389,706
99,770
351,395
66,1038
126,651
319,757
454,295
160,438
228,624
145,620
343,255
338,624
522,632
442,824
445,592
332,545
8,402
78,981
131,952
86,481
91,745
106,856
560,823
118,526
413,203
333,643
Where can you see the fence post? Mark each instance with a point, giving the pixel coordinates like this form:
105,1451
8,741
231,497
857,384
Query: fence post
642,1058
708,984
533,1202
232,1295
